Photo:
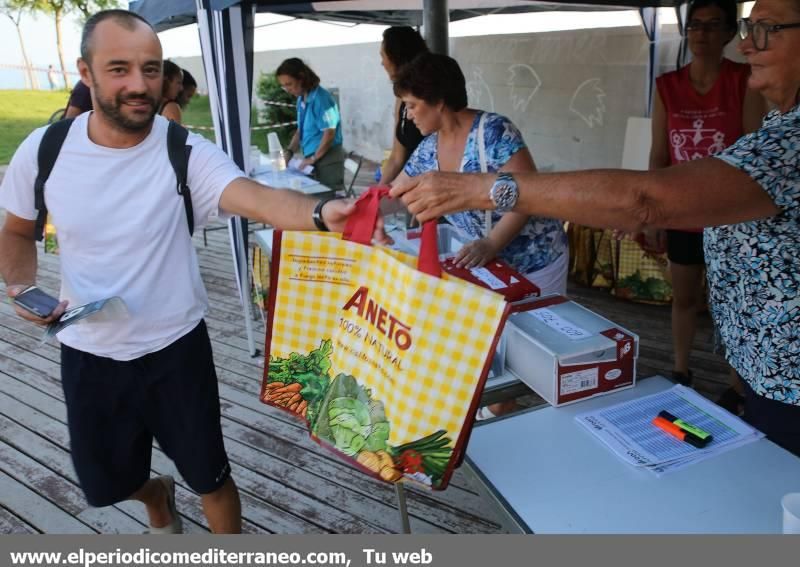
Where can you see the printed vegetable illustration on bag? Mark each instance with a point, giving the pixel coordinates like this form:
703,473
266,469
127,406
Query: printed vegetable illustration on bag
343,413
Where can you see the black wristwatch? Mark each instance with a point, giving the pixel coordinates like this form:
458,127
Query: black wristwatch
317,215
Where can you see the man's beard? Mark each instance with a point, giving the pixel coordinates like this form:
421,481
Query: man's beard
112,109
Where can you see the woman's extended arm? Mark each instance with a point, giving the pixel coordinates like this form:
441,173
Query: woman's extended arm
398,156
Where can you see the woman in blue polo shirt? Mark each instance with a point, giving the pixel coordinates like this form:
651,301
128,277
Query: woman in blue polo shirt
319,124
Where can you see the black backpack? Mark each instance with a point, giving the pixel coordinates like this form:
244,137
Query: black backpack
50,147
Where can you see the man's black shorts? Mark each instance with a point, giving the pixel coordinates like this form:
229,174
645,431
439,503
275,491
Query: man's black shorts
115,409
685,248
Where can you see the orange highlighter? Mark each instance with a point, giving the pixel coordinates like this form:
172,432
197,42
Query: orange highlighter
677,432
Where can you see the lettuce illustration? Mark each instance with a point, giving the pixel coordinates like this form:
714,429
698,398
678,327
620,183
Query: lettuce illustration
350,419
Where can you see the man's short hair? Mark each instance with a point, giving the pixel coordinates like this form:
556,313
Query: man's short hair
126,19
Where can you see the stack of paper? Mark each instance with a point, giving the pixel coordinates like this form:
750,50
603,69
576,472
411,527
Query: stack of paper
628,430
286,178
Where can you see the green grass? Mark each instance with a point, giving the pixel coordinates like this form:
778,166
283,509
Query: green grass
198,113
21,112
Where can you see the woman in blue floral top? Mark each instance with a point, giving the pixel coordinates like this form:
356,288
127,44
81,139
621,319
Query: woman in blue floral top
749,198
433,88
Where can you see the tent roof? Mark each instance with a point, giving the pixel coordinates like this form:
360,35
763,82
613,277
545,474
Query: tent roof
165,15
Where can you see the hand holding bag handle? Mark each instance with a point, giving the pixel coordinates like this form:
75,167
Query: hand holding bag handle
361,226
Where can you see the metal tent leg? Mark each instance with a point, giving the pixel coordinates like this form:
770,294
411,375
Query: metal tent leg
401,507
243,272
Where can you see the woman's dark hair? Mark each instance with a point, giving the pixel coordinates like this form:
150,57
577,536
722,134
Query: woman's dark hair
171,71
188,80
402,43
433,78
728,8
295,68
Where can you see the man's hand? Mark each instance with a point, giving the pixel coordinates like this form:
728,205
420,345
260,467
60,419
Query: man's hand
336,212
305,163
13,290
476,253
433,194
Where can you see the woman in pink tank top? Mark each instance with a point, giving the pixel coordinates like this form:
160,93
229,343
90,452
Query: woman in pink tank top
699,110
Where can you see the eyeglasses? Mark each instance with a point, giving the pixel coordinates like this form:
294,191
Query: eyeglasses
710,26
760,31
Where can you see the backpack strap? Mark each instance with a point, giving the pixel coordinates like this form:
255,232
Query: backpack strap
179,154
49,148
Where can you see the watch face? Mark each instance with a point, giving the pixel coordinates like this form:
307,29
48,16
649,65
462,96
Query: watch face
504,193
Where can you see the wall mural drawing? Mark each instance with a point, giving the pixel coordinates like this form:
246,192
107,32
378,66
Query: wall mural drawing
524,83
588,102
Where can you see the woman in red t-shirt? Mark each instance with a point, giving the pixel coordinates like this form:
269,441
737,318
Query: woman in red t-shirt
699,110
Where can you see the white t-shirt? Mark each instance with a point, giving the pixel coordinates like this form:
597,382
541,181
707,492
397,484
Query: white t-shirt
122,230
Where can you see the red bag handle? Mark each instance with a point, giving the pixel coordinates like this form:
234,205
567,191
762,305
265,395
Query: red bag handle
361,226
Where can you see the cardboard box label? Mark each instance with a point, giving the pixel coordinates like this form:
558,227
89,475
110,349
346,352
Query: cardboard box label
487,277
561,325
579,381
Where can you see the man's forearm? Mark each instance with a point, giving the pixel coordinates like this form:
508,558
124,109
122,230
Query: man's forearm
17,259
282,208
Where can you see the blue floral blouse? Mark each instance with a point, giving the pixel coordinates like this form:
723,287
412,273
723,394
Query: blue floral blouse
754,267
541,241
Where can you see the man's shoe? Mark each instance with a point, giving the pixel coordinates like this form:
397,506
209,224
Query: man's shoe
176,525
484,413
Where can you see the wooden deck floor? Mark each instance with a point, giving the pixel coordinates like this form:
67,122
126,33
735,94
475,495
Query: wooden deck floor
287,482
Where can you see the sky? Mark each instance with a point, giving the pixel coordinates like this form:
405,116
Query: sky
279,32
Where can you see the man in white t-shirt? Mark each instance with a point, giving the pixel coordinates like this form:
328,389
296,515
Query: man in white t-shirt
123,231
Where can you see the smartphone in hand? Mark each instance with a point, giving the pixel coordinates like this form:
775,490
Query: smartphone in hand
36,301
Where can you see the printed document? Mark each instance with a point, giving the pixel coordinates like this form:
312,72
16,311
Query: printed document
627,429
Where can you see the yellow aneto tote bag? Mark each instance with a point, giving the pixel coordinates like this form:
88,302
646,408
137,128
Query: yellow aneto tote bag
383,355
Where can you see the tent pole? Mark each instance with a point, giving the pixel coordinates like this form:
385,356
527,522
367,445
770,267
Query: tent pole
435,23
244,284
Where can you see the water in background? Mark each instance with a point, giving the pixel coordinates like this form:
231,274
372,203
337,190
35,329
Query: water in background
15,77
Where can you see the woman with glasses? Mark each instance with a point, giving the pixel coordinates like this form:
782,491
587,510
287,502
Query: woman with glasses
748,197
699,110
319,125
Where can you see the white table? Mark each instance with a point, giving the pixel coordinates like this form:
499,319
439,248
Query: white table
550,475
289,179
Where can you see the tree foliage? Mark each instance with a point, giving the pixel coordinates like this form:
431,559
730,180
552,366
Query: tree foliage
269,90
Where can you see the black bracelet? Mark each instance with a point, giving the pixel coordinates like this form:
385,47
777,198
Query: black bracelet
316,216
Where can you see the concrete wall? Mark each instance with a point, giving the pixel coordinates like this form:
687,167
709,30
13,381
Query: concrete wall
569,92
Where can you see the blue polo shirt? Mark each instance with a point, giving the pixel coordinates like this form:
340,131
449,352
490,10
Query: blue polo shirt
318,112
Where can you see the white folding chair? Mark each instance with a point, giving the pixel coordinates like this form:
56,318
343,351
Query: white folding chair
352,163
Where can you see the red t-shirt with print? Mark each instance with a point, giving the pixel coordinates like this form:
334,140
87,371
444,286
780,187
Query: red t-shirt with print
701,125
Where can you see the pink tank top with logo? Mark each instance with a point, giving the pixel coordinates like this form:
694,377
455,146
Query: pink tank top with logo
701,125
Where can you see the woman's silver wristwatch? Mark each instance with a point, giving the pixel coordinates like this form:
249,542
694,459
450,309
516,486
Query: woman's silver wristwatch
504,192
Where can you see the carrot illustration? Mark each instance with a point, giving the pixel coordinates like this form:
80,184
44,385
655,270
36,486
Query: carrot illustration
293,388
297,398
